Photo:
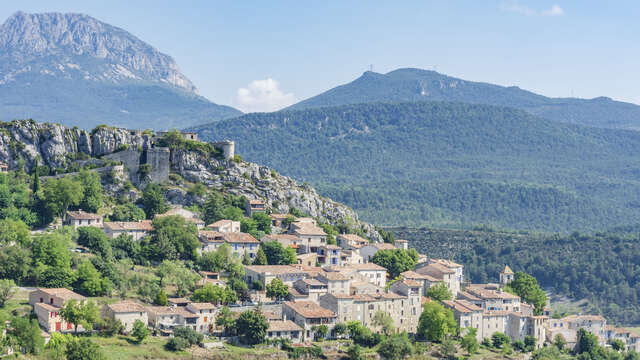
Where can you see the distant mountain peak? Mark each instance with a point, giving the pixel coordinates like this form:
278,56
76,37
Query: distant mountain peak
78,45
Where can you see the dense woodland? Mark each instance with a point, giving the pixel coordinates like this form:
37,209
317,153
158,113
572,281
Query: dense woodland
602,268
450,164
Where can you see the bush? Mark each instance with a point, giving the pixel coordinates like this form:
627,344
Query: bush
257,285
191,336
177,344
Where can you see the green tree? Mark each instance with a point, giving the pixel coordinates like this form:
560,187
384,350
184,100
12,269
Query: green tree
174,273
354,352
340,329
448,349
215,294
469,341
153,200
396,347
161,298
320,332
213,209
276,254
52,250
90,283
261,258
27,334
587,342
72,312
559,342
92,195
435,322
529,343
7,290
254,326
384,321
172,238
110,327
439,292
245,259
127,212
35,184
54,277
140,331
96,240
277,290
526,286
225,320
499,339
248,225
60,194
547,353
14,232
84,349
15,263
396,261
263,222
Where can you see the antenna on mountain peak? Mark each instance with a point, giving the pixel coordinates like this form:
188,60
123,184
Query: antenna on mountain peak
371,67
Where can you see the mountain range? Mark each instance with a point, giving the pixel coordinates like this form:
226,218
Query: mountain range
450,164
405,85
78,71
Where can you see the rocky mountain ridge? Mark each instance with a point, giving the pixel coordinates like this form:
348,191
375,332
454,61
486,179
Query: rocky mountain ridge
51,44
56,146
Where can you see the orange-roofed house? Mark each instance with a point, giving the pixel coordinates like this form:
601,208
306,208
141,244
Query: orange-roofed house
136,229
82,218
307,314
47,303
127,312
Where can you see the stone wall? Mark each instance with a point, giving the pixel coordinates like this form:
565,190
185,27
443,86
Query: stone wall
158,158
130,159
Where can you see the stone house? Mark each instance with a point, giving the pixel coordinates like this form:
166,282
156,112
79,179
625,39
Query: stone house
206,313
310,259
441,273
336,282
47,303
81,218
136,229
348,257
351,241
284,329
310,236
310,288
490,297
329,255
225,226
426,280
239,243
127,312
467,315
457,268
370,272
368,251
255,206
266,273
402,244
4,168
278,222
286,240
167,318
307,314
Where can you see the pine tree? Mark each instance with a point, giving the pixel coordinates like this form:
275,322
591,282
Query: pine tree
36,179
261,258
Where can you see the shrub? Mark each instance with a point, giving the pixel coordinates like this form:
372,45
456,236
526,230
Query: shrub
177,344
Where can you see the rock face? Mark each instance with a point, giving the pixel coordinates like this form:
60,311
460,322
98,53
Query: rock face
61,37
78,71
22,142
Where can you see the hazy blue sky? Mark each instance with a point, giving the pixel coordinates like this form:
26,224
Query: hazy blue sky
230,48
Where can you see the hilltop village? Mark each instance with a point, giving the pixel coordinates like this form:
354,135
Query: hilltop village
234,270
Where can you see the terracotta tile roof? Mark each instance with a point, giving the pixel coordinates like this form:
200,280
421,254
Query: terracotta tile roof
507,270
126,307
313,282
210,236
497,313
179,300
415,276
222,222
275,269
304,228
202,306
171,310
239,238
411,283
280,237
308,309
283,325
469,296
401,241
469,305
143,225
584,318
295,293
333,276
270,316
256,202
435,270
366,267
62,293
81,215
279,216
383,246
483,293
447,263
388,295
461,306
353,238
332,247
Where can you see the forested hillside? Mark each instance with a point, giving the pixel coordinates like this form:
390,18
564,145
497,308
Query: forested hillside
450,164
404,85
601,268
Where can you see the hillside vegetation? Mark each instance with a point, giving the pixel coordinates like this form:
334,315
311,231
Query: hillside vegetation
601,268
404,85
450,164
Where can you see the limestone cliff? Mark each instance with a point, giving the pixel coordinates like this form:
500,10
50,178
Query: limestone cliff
56,146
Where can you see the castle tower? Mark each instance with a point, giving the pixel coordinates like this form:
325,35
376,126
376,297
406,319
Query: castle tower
227,147
506,276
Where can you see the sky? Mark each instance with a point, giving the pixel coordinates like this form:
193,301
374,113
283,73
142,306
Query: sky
265,55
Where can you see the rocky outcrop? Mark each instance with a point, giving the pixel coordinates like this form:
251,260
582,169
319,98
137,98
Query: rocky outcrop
24,141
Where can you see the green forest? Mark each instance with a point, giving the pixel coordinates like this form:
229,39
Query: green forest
450,164
602,268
